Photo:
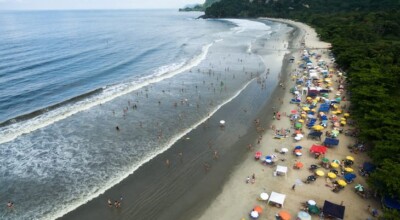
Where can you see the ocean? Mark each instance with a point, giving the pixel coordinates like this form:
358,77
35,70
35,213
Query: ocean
88,97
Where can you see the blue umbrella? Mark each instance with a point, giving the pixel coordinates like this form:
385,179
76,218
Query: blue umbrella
349,177
298,147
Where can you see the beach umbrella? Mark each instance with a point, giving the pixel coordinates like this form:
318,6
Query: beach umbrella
318,127
332,175
349,177
342,183
313,209
320,173
348,169
336,124
311,202
346,114
222,122
303,216
298,147
254,214
325,160
343,122
293,111
305,108
359,187
350,158
284,215
264,196
258,154
258,209
342,119
335,132
298,125
299,164
284,150
336,161
301,121
298,152
334,165
309,98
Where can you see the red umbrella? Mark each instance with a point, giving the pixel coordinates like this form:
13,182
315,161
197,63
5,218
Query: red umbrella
293,111
318,149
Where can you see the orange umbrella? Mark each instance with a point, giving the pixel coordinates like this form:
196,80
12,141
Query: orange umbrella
284,215
258,209
299,165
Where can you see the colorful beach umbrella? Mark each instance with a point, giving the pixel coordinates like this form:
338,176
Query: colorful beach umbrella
332,175
313,209
293,111
346,114
264,196
254,214
325,160
299,164
303,216
318,127
359,187
258,209
343,122
342,183
320,173
306,108
301,120
284,215
350,158
348,169
335,161
334,165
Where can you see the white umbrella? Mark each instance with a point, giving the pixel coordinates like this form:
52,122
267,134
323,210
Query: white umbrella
284,150
298,153
311,202
254,214
297,138
222,122
264,196
303,216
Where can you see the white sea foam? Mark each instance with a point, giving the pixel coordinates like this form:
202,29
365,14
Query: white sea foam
10,132
245,25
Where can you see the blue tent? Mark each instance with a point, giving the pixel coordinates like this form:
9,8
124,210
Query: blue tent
349,177
391,203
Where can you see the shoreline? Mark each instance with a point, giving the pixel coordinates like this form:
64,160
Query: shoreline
239,198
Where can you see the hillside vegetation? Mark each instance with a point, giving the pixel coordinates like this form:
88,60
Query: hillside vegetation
365,37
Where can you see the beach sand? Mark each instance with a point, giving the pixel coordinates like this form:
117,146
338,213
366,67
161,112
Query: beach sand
238,198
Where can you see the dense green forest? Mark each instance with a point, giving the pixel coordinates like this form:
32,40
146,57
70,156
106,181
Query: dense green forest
365,38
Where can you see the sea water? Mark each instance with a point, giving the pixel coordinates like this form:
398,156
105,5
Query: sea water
86,97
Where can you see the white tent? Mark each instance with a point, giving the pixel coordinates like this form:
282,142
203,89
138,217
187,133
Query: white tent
281,170
277,198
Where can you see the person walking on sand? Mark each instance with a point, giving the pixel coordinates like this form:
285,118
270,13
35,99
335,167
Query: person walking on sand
294,187
167,163
109,203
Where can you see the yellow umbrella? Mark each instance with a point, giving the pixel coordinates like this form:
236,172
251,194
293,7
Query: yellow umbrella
335,106
348,169
301,120
332,175
342,119
334,165
343,122
308,98
339,111
327,80
346,114
320,173
350,158
306,108
318,127
342,183
313,110
334,112
303,115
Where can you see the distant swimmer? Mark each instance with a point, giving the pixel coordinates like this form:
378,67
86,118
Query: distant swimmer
109,203
117,128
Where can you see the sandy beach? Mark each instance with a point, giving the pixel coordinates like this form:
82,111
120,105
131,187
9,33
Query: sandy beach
238,198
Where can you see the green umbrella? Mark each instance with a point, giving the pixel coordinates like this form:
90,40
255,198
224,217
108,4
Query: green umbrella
359,187
313,209
298,125
325,160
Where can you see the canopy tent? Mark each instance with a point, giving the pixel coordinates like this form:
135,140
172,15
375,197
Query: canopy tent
318,149
332,209
391,203
281,170
277,198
